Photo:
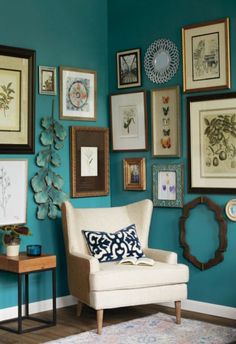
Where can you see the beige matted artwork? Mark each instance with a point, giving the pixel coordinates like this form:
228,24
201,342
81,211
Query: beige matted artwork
166,122
206,56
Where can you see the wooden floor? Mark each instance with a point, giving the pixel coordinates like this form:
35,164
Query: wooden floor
68,323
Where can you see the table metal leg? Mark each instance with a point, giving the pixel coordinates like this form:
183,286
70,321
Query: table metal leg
19,303
26,295
54,307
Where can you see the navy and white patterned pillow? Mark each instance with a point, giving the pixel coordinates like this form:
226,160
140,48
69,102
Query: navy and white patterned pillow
107,247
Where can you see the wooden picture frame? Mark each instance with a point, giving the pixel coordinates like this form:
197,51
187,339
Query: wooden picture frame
129,121
212,143
168,185
47,80
206,56
166,122
78,89
134,174
89,149
17,100
128,68
13,191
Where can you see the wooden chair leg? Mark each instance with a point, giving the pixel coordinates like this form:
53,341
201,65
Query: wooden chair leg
79,308
99,320
178,312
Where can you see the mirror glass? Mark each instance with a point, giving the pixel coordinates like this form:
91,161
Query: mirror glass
161,61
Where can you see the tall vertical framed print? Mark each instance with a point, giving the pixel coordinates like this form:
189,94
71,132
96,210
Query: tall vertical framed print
206,56
17,79
128,68
166,122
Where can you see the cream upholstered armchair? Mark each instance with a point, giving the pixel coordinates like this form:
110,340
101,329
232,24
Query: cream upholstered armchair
109,284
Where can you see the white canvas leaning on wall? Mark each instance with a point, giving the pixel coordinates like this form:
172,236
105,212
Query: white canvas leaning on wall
13,191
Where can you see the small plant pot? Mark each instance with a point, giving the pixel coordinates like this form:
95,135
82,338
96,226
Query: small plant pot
12,250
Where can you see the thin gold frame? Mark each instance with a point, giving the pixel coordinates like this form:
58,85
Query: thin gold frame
140,184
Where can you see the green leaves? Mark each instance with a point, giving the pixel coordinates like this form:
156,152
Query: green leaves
47,184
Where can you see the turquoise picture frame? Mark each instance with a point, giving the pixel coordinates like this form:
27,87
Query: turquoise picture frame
168,186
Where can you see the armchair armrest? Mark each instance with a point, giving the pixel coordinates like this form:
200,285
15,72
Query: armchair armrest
161,255
80,266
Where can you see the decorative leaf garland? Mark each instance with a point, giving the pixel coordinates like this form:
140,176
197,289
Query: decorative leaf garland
46,183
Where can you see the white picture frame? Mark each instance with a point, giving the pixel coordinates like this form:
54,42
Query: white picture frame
13,191
47,80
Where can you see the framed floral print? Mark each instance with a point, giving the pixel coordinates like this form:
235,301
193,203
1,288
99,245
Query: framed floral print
206,56
47,80
128,68
129,121
134,173
212,143
168,187
78,94
17,100
166,122
89,148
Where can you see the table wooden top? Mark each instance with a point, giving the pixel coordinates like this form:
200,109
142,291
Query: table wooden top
24,263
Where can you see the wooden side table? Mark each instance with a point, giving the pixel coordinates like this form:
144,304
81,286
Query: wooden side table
24,265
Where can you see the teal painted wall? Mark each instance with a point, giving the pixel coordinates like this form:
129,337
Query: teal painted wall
136,24
70,33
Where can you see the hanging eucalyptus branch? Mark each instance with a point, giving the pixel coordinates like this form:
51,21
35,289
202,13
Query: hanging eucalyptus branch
46,183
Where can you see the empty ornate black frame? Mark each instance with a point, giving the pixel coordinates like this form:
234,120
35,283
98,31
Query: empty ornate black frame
222,233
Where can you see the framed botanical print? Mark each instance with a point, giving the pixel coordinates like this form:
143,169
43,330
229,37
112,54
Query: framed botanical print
212,143
129,121
78,94
128,68
168,187
166,122
13,191
47,80
206,56
89,148
134,173
17,77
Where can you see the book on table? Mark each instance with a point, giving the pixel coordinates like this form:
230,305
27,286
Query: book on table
137,261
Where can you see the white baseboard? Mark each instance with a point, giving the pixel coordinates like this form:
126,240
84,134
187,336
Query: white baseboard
188,305
206,308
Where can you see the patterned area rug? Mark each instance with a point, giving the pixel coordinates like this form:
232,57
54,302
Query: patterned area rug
156,329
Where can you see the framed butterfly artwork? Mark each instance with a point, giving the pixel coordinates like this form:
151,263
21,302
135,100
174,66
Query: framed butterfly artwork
166,122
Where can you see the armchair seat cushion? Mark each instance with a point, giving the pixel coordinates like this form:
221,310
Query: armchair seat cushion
113,276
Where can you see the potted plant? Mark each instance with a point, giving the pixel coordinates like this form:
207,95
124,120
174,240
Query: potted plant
11,238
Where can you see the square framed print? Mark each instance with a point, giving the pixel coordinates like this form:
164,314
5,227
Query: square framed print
13,191
78,89
212,143
17,100
129,121
206,56
89,148
47,80
134,173
168,186
128,68
166,122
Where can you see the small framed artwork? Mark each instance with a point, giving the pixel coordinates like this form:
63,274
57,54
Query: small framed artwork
128,68
129,121
78,89
17,100
230,209
166,122
206,56
89,149
13,191
168,187
134,174
47,80
212,143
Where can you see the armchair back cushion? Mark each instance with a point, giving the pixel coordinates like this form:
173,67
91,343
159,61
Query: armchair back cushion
108,220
